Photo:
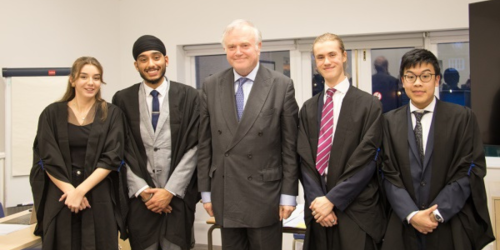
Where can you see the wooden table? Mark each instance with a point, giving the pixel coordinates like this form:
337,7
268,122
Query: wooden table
20,239
211,221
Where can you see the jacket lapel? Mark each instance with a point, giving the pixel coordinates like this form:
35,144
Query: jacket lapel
227,101
144,114
164,113
258,96
411,138
429,148
402,133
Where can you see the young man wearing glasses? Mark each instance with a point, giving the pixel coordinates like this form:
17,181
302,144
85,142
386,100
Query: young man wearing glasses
433,165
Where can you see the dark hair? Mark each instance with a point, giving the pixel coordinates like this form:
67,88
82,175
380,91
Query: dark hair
75,73
417,57
451,77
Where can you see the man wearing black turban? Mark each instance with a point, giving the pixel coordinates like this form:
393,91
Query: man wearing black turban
163,117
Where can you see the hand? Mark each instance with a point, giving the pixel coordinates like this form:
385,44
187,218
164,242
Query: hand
74,198
208,208
160,201
330,220
321,207
286,211
85,203
422,221
145,196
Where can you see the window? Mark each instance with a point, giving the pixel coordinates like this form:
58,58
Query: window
455,73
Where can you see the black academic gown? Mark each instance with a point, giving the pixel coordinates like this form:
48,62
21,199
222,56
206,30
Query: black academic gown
51,153
458,153
143,225
354,150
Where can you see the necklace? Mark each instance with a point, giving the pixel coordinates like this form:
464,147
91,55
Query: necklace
80,113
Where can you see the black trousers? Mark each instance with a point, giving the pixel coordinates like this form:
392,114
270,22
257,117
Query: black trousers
264,238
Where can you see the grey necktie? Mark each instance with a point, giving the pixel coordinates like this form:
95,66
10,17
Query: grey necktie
418,133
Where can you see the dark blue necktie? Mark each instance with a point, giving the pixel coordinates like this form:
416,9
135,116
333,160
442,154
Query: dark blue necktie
240,98
156,109
418,133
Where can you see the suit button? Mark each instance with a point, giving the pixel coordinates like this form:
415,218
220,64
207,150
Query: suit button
156,149
249,156
220,132
250,178
260,133
422,183
78,172
226,154
422,207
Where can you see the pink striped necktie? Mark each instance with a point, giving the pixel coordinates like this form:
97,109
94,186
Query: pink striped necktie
325,133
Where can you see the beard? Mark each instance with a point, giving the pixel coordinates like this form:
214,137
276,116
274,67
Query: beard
156,80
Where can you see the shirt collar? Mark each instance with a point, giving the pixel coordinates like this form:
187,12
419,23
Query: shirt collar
162,89
250,76
342,87
429,107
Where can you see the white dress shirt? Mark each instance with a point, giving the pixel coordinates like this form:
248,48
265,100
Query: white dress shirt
338,98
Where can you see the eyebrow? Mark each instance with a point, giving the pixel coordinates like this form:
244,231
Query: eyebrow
409,71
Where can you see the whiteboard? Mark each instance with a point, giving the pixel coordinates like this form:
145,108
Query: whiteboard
30,96
25,99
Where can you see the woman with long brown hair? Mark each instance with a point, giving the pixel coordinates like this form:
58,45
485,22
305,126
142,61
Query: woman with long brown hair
78,153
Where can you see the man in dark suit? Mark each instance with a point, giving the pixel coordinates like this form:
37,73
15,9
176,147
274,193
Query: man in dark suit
339,137
163,117
434,165
384,85
247,163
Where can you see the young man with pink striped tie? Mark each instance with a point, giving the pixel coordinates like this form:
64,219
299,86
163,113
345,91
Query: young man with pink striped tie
339,137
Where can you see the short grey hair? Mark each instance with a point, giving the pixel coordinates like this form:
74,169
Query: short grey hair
238,24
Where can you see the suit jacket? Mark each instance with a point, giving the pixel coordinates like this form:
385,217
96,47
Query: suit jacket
454,157
247,165
352,160
184,120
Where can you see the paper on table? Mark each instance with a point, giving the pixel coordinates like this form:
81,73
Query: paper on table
10,228
296,219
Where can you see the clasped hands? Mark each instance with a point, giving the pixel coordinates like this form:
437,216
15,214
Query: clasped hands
157,200
424,220
322,210
75,199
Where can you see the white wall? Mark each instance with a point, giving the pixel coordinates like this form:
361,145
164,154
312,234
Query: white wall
202,22
53,34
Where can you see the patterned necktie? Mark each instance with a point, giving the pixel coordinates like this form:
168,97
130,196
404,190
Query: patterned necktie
156,109
240,97
325,133
418,133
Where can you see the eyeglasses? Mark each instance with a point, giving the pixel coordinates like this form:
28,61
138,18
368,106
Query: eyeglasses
412,78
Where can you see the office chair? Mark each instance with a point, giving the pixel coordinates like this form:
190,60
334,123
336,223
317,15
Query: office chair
1,211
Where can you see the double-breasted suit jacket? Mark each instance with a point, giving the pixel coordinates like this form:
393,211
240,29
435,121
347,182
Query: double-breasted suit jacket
247,165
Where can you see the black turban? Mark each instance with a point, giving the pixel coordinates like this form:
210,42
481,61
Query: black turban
148,42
